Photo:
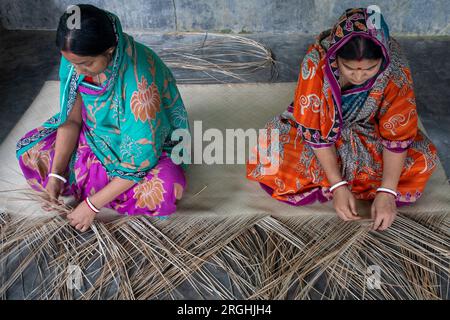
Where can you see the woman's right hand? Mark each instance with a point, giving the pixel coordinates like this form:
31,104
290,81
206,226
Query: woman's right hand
54,188
345,204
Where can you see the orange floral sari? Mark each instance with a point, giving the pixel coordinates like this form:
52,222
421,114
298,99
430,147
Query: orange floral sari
360,122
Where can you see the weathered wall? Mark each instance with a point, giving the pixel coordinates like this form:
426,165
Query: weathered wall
414,17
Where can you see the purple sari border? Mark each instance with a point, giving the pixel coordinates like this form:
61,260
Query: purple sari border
397,150
89,91
310,199
321,145
317,196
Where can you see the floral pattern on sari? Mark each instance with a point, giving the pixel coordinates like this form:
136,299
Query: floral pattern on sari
37,159
150,193
145,102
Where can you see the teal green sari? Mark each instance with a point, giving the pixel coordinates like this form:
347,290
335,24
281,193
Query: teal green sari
130,118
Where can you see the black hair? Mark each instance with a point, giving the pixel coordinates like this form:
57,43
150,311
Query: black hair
359,48
94,35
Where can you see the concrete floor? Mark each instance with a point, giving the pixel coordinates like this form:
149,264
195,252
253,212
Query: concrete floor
29,58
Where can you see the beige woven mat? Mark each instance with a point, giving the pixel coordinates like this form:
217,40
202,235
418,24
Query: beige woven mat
212,189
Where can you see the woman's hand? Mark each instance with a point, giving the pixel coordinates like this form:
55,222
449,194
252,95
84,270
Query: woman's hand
53,188
383,211
345,204
81,217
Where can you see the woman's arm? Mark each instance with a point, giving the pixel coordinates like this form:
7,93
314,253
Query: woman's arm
328,159
343,200
67,138
113,189
384,208
393,163
82,217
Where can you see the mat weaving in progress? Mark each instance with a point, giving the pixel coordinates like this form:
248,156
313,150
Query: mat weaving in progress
228,238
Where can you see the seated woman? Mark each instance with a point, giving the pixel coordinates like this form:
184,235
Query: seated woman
110,145
352,131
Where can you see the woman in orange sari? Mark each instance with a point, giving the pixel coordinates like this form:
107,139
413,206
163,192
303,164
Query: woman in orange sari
352,130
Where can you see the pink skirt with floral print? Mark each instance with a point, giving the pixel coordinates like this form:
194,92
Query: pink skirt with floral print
156,194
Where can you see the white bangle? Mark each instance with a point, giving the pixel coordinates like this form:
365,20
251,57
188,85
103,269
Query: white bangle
388,191
57,176
337,185
89,203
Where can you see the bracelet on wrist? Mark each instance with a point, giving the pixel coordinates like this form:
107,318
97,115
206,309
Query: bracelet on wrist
387,190
337,185
90,205
57,176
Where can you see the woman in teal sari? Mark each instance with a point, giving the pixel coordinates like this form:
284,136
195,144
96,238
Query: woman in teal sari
110,145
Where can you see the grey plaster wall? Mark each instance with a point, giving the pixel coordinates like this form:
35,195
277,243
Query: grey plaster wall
406,17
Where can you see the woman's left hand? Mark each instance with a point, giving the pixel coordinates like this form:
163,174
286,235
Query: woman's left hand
81,217
383,211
